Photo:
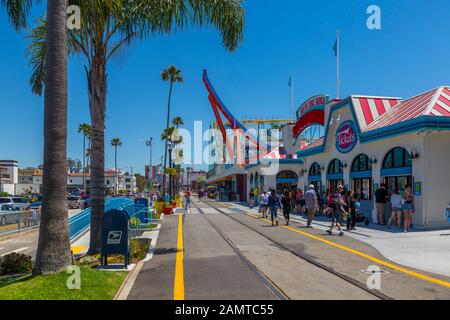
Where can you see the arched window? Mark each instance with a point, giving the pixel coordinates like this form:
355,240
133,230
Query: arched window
397,158
336,167
361,163
315,170
287,174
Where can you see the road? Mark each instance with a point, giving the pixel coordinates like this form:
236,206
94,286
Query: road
221,251
25,243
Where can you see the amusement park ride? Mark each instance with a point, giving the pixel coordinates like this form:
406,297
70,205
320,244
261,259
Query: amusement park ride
310,115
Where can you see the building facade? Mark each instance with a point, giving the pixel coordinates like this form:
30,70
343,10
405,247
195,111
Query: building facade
373,140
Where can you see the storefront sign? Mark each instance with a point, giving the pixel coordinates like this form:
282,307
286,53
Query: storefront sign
346,137
314,102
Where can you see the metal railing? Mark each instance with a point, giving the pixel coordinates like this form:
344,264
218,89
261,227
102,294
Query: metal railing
15,221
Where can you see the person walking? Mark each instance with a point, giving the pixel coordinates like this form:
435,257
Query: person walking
286,201
396,209
351,209
251,197
338,203
187,195
408,207
311,204
274,204
264,204
381,197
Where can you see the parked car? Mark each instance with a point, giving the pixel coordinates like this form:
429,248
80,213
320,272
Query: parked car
16,203
35,205
86,202
8,215
74,202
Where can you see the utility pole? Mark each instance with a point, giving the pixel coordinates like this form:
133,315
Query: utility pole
149,144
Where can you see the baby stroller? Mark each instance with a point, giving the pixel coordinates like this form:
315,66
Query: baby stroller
360,218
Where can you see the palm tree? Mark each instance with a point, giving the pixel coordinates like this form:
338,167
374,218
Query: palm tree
173,75
108,27
116,143
53,252
177,122
85,129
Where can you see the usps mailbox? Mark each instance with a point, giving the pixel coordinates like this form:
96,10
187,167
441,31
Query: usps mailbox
115,240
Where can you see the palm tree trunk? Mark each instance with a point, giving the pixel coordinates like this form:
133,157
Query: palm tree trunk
167,138
97,79
53,252
84,163
116,182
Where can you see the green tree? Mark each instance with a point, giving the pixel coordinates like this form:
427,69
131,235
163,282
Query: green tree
107,28
116,143
177,122
173,75
85,129
53,251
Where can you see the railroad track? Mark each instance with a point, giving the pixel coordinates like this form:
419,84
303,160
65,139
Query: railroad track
308,259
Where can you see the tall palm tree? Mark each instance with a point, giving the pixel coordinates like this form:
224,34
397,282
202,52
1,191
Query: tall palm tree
107,28
53,252
173,75
85,129
177,122
116,143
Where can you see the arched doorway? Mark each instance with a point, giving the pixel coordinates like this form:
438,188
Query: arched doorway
397,169
287,179
315,176
335,175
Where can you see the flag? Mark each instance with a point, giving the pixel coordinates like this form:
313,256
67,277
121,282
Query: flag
335,48
290,81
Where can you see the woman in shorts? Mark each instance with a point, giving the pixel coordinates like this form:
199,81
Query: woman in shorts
396,209
408,207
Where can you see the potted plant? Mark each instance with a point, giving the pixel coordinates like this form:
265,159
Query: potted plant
168,209
159,205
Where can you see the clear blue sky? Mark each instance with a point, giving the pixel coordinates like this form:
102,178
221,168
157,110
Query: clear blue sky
408,56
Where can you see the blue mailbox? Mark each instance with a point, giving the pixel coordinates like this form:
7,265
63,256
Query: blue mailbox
115,239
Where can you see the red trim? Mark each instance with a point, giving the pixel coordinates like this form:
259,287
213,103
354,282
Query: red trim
444,100
366,110
447,91
393,102
380,106
308,119
443,111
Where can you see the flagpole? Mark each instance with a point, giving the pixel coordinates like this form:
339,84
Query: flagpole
338,80
292,96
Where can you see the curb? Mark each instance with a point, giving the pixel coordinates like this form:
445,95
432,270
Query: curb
17,234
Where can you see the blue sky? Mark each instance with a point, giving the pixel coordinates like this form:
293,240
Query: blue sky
409,55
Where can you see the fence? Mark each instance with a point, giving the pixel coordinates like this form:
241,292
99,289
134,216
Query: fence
14,221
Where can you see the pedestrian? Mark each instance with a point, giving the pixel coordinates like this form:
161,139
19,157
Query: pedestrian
381,197
251,197
187,195
396,209
351,210
301,202
286,201
408,207
264,204
274,204
311,204
338,210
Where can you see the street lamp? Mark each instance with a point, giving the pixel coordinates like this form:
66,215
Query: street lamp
170,147
149,143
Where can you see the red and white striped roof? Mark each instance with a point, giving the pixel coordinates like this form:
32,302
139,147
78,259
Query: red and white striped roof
370,109
435,102
279,154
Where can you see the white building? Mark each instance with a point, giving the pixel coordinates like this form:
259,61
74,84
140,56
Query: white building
374,140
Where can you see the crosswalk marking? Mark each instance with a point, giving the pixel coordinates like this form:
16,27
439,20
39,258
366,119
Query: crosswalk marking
15,251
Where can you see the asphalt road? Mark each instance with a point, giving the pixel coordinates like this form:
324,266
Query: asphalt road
226,253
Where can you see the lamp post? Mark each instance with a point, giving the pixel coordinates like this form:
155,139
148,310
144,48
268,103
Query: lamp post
170,148
149,143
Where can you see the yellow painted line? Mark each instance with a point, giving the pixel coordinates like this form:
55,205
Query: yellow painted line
363,255
78,249
178,290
